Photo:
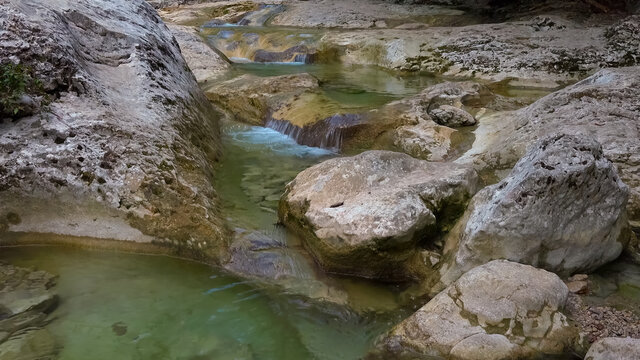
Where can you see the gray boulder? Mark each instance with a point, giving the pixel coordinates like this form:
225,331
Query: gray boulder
364,215
614,349
605,105
500,310
562,208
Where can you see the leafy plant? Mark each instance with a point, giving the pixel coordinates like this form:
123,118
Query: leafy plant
17,80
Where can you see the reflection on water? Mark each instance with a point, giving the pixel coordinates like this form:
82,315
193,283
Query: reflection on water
123,306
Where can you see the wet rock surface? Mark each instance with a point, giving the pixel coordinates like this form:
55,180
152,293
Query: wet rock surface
365,215
562,208
125,150
252,99
500,310
26,297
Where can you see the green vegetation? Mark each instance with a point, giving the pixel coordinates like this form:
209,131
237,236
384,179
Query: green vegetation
16,81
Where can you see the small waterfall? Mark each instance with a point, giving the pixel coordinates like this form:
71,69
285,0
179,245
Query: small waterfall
260,16
328,133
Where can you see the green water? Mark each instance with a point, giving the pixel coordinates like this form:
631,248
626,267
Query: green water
356,87
175,309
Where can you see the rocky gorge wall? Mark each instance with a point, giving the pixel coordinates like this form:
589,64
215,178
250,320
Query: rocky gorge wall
121,143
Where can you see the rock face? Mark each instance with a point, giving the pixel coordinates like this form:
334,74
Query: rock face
555,50
614,349
500,310
252,99
562,208
365,215
205,63
26,296
125,149
605,105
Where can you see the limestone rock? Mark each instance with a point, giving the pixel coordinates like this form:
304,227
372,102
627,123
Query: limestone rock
126,149
500,310
562,208
555,51
205,63
605,105
452,116
364,215
614,349
252,99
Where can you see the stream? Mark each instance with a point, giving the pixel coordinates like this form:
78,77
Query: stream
126,306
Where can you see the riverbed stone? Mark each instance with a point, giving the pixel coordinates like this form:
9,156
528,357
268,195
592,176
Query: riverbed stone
25,290
252,99
562,208
262,258
614,349
365,215
500,310
26,296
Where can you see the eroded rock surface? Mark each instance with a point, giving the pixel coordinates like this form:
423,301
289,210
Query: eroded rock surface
205,63
500,310
605,105
252,99
614,349
125,150
562,208
545,51
365,215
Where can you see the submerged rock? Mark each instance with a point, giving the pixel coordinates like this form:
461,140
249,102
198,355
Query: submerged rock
126,148
562,208
365,215
26,296
500,310
298,53
614,349
257,256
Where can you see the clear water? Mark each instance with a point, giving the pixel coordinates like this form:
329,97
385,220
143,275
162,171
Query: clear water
355,87
175,309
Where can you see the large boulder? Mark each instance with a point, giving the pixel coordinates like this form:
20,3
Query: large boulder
605,106
125,148
562,208
614,349
500,310
365,215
